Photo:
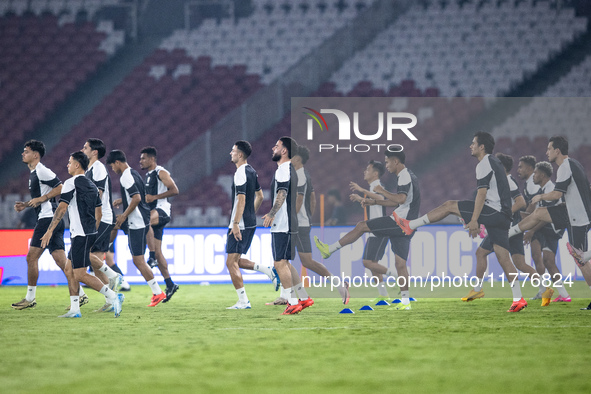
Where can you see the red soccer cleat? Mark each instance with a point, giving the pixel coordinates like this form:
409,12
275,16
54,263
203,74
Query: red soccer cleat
518,305
403,224
306,303
156,299
292,309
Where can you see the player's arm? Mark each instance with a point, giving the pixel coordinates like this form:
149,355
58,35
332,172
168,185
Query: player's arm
35,202
279,200
258,199
170,185
312,203
354,186
473,226
552,196
392,198
240,204
57,217
135,201
519,204
299,202
98,214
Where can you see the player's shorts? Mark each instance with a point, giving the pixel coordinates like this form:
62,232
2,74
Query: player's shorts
375,247
136,240
163,220
283,247
559,216
302,240
548,238
80,248
103,238
577,236
240,247
386,227
496,223
57,239
515,244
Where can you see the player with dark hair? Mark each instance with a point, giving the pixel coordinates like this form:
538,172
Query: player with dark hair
575,214
375,247
248,197
44,185
159,187
407,201
305,207
137,215
80,198
283,222
492,208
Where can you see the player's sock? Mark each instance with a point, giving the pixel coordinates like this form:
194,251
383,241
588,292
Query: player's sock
292,299
31,293
382,289
74,304
109,294
391,273
154,287
81,291
153,255
169,283
516,290
586,256
542,287
561,290
478,287
302,293
116,268
242,297
284,293
108,271
416,223
514,230
263,269
404,294
334,247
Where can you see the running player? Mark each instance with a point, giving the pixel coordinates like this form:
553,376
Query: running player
305,207
516,247
492,208
44,185
137,214
248,197
159,187
575,215
375,247
283,222
407,199
81,199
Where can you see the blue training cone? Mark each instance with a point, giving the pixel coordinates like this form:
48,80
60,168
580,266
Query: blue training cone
382,302
398,300
366,308
346,310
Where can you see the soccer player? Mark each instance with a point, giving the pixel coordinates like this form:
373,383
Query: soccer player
44,185
248,197
137,214
159,187
407,199
375,247
305,207
283,222
80,198
546,239
575,215
516,248
492,208
525,171
95,149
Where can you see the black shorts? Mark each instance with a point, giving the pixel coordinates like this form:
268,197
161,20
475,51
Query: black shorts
163,220
559,216
515,244
283,248
577,236
549,238
302,240
57,239
496,223
375,247
387,227
241,247
137,241
80,248
102,238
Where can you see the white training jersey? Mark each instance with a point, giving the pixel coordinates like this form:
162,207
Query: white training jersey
155,186
282,182
41,181
98,174
572,181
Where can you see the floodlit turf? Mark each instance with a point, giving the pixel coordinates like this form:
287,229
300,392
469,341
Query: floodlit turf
193,344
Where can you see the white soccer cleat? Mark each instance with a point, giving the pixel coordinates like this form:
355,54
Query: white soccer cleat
240,305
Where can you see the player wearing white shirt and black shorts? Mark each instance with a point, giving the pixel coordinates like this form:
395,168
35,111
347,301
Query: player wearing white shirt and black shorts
137,215
81,199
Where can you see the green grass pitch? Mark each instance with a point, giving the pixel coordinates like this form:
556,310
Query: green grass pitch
193,344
